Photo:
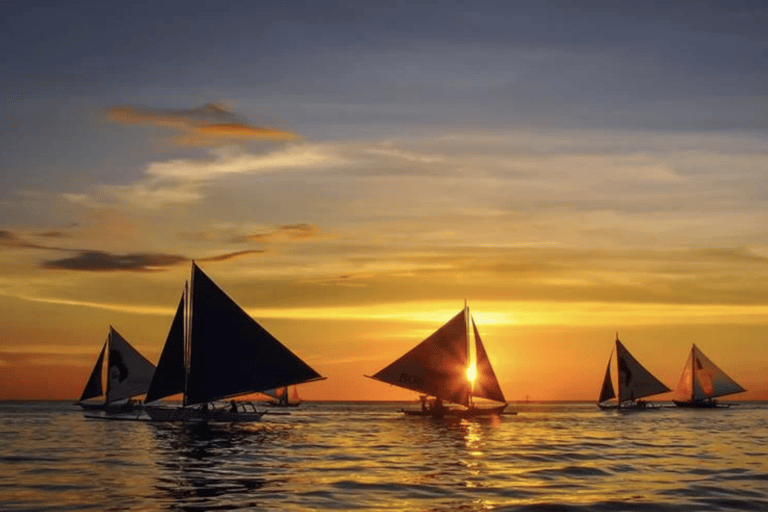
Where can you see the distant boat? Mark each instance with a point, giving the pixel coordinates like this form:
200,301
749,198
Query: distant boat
128,375
440,367
702,382
634,383
281,397
215,351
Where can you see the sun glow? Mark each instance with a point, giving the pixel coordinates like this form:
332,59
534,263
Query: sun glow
471,373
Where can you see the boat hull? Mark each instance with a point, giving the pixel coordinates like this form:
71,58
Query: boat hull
472,412
700,404
124,408
645,406
196,415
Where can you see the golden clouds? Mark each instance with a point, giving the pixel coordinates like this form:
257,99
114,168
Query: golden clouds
208,125
290,232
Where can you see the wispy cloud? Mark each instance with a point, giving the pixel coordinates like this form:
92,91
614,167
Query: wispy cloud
89,260
289,231
98,261
233,255
210,124
8,239
181,181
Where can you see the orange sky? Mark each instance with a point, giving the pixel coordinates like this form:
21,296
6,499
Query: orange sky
533,356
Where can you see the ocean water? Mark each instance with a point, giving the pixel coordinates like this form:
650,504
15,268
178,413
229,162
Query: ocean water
363,456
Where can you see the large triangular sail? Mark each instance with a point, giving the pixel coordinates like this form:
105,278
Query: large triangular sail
93,387
171,373
702,380
634,380
607,392
230,354
128,372
437,366
486,384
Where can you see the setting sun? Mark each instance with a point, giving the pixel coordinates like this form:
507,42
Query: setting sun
471,373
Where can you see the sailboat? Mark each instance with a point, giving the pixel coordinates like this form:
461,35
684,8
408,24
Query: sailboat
702,382
281,397
634,382
128,375
440,367
216,351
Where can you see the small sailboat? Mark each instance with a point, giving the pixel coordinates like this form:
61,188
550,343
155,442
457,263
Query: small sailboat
634,383
281,397
440,367
216,351
702,382
128,375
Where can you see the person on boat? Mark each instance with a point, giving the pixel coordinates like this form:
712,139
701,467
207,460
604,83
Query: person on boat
232,406
438,409
423,399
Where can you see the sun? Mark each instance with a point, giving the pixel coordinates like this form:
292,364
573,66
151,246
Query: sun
471,373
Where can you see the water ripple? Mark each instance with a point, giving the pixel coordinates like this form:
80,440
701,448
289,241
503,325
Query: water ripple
553,457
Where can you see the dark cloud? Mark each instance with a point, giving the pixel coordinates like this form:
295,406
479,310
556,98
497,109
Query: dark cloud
98,261
232,255
209,124
8,239
55,234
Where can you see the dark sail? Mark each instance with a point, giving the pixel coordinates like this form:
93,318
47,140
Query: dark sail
437,366
607,392
231,354
486,383
93,387
170,373
635,381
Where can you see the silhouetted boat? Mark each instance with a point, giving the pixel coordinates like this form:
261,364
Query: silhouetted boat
440,367
702,382
128,375
281,397
215,351
634,383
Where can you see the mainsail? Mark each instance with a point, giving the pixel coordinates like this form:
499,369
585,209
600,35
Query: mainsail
486,384
93,387
215,350
170,375
703,380
634,380
438,366
128,372
607,392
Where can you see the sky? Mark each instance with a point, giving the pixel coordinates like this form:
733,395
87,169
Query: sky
351,172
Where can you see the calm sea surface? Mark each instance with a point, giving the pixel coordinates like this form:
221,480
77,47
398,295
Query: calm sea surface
561,457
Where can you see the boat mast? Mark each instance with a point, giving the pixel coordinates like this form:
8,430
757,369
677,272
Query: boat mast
187,329
467,319
618,373
693,372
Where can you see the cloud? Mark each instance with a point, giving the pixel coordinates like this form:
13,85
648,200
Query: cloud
180,181
99,261
9,239
232,255
209,124
54,234
290,231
